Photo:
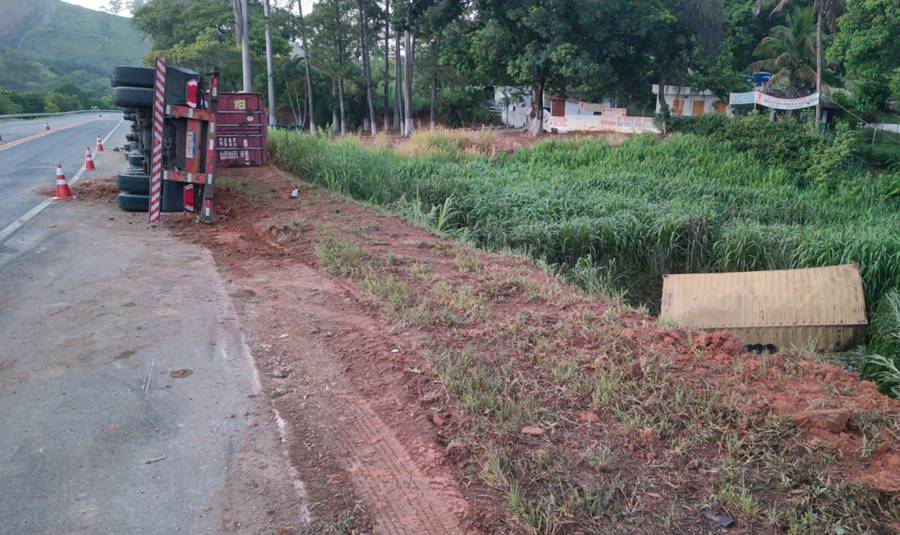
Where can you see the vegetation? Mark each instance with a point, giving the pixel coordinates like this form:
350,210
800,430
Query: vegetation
61,51
397,61
789,53
648,207
571,425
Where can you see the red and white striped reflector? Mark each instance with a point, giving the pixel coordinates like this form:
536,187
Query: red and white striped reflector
189,198
159,118
192,94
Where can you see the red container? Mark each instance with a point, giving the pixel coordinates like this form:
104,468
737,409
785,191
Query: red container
241,131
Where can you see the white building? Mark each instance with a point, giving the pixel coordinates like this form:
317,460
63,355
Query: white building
687,102
513,104
566,115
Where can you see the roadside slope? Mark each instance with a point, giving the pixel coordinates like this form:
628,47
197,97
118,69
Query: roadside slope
548,411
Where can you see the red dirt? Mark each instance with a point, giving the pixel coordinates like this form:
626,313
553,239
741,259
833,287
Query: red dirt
338,369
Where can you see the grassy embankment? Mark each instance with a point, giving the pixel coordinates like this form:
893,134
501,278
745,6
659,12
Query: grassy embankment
615,219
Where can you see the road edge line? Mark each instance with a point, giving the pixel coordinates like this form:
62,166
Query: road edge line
11,229
39,135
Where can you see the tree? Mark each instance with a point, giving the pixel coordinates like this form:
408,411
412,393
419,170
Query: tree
683,32
362,5
725,72
387,64
113,6
306,61
582,48
436,18
869,47
788,52
826,13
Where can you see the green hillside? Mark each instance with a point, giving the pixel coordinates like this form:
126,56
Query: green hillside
47,43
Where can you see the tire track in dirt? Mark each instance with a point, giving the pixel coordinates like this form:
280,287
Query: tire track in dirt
400,498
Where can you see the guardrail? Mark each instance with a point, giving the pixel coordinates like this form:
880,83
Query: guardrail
37,115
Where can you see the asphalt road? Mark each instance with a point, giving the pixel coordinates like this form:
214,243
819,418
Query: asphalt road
129,402
29,154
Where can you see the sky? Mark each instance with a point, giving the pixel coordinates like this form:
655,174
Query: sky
97,4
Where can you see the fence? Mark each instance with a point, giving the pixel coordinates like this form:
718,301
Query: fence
37,115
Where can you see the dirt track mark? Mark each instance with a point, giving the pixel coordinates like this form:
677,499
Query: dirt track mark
400,498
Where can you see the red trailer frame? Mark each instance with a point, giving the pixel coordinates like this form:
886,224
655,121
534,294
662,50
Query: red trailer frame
199,166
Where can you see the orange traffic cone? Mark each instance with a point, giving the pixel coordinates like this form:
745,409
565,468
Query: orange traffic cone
46,125
88,161
63,193
99,144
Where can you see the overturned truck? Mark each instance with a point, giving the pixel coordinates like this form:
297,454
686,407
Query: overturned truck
173,148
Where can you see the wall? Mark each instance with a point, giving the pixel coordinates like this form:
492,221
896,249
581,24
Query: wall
688,97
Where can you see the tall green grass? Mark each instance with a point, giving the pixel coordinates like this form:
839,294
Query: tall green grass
648,207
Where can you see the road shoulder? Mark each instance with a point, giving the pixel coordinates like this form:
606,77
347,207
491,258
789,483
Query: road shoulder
129,397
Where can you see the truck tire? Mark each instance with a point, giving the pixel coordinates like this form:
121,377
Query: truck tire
123,75
133,97
132,202
131,137
136,183
136,159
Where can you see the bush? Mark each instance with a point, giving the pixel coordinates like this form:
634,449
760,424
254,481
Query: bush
833,161
785,143
883,361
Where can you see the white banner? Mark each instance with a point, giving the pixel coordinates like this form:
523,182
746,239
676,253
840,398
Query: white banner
758,97
742,98
786,103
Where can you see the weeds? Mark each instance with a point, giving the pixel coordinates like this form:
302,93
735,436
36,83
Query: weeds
248,188
340,256
615,220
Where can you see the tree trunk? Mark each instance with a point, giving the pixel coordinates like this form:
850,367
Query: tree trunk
387,64
661,99
663,104
398,83
435,50
270,75
367,68
341,105
309,92
536,124
408,80
335,118
294,111
340,51
819,17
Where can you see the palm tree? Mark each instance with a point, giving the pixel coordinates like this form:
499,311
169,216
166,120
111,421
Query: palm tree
826,12
789,52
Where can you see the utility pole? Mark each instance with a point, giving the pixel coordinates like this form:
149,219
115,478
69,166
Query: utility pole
241,29
270,76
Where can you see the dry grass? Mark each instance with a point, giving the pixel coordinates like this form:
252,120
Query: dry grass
443,142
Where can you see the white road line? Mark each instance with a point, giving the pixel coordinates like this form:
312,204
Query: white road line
10,229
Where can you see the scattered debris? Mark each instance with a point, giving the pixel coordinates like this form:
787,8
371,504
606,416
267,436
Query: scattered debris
833,420
281,372
532,431
180,374
588,417
295,193
723,520
155,460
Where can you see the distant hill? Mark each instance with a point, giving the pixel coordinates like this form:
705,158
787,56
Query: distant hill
44,43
